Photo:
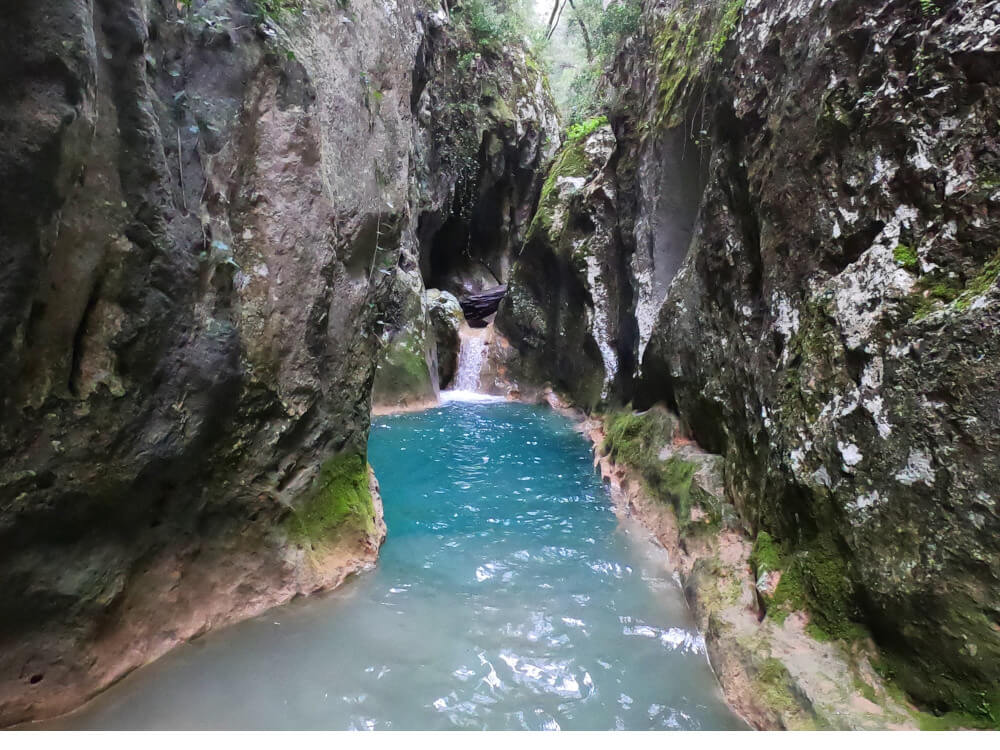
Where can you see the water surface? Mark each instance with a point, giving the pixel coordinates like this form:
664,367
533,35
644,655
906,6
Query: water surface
507,596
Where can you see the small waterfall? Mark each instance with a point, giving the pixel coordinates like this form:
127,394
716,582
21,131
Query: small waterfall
471,357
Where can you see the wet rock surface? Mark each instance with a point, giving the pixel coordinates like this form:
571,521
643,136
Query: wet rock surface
774,672
406,373
806,208
829,331
566,312
484,128
209,218
446,320
478,307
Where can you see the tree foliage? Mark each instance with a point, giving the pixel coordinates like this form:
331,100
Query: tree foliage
593,33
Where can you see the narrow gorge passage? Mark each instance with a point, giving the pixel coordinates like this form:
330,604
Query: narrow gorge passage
507,596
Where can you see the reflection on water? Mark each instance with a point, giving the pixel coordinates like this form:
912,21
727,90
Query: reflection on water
507,596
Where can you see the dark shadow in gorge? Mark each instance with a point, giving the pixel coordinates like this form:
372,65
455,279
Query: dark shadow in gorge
472,247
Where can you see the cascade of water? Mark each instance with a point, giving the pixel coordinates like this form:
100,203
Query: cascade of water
471,357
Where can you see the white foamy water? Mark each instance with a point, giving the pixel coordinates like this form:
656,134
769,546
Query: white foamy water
470,397
471,358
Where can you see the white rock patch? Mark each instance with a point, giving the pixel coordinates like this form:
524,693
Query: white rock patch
851,454
919,468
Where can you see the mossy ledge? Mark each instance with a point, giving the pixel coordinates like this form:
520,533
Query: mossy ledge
338,502
571,161
638,441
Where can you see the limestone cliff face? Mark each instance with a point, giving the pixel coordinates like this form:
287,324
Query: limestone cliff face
832,328
808,202
568,289
204,209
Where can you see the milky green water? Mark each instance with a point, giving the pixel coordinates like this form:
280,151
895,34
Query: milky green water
507,596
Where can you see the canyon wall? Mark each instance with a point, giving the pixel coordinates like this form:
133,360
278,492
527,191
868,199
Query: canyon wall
485,127
207,212
807,206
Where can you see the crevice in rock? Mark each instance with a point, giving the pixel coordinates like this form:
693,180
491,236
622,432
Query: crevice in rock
853,246
76,358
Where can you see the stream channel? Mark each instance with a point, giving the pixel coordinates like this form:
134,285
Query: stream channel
507,596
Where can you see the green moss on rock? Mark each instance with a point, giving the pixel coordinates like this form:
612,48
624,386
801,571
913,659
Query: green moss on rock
678,46
773,680
571,161
403,370
766,554
581,130
636,440
687,45
633,439
338,501
982,282
726,26
906,257
955,720
814,579
935,289
827,587
972,708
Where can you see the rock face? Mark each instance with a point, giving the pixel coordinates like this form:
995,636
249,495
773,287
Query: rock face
832,328
406,374
445,315
808,208
563,312
489,127
772,671
209,217
478,309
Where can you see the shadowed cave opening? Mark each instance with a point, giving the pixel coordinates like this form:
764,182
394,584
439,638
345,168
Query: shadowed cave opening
471,248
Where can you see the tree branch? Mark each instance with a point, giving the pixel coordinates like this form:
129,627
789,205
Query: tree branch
583,28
